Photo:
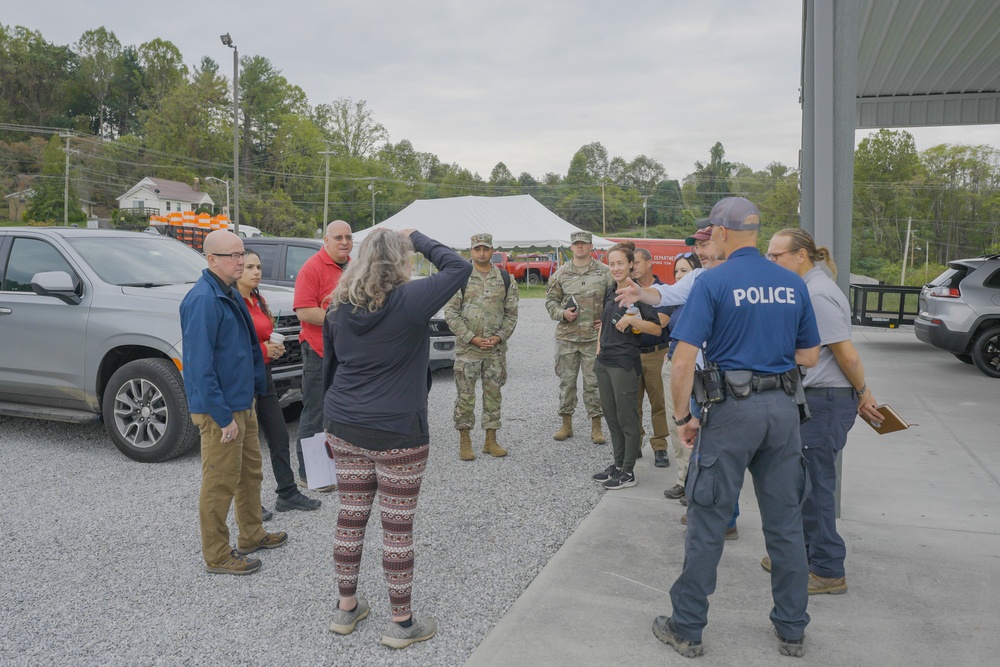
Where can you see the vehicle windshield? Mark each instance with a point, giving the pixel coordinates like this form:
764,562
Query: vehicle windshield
141,260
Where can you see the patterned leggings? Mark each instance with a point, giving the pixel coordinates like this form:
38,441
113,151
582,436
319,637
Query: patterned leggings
396,475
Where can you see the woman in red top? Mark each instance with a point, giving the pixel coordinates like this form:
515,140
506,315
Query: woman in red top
269,417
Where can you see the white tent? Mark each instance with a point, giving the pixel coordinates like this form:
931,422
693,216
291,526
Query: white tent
518,221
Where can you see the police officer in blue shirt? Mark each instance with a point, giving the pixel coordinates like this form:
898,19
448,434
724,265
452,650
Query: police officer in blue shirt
759,324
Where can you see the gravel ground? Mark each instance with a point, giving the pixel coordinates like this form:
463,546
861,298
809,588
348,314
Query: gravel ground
102,564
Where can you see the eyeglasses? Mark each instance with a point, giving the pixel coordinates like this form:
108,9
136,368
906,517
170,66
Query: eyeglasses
341,237
773,256
684,255
235,256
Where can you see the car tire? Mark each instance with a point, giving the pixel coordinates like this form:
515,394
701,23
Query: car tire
145,411
964,358
986,352
534,279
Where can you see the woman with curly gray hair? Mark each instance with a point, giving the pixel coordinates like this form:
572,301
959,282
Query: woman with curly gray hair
376,379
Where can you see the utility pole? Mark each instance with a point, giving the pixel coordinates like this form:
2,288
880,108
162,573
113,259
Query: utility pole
604,216
644,214
371,186
906,250
66,186
326,188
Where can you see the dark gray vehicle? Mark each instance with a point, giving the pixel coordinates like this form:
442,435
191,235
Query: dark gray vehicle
91,330
960,312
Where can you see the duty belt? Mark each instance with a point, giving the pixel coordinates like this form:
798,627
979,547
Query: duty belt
652,348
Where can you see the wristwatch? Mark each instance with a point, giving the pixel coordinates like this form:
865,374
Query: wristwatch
681,422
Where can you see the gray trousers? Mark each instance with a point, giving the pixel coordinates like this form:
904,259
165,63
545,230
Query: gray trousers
619,390
760,433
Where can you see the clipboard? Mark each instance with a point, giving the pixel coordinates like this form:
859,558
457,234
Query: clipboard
892,422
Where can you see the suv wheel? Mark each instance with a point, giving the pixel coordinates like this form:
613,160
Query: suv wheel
986,352
145,411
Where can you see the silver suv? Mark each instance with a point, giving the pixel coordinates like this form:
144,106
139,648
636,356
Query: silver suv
91,330
960,312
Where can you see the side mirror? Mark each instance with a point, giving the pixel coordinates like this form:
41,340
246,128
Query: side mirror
58,284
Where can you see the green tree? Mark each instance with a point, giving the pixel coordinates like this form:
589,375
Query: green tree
711,180
99,52
48,203
163,70
351,126
125,97
886,164
35,79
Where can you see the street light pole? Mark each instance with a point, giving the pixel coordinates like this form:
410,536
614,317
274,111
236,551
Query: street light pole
221,180
228,41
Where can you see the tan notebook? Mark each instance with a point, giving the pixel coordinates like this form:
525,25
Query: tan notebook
892,422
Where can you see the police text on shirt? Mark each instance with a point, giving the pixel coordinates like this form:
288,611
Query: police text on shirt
764,295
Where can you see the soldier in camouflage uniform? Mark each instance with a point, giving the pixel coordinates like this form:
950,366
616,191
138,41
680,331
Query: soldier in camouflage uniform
585,280
482,316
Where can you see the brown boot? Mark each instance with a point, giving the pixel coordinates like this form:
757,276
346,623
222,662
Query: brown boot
567,428
465,445
595,431
492,447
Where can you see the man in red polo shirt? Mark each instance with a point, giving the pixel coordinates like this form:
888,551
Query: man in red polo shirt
313,287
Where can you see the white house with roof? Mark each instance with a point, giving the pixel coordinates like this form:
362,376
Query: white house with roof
165,196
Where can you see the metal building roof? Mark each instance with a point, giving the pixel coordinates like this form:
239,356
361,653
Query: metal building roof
928,62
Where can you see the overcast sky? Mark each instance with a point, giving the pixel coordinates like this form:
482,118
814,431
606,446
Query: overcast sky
523,82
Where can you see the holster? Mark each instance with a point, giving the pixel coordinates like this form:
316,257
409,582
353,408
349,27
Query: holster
793,386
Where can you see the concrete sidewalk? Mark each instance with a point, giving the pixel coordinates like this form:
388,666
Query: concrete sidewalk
920,515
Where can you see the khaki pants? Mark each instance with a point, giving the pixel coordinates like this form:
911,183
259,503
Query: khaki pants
682,455
229,470
651,383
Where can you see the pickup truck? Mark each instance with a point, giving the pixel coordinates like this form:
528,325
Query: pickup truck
537,268
90,330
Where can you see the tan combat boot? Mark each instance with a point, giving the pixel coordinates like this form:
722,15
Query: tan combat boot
492,447
567,428
465,445
595,431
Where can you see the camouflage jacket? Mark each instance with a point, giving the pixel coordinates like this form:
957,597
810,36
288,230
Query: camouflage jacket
587,286
483,310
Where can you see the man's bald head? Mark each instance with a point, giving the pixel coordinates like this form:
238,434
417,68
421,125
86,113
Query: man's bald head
224,254
217,240
338,241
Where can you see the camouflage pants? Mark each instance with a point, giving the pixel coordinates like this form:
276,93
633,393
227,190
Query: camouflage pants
493,372
571,357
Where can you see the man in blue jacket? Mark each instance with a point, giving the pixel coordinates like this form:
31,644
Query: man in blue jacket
223,369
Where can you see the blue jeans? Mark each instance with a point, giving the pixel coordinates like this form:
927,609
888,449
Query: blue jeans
833,415
311,418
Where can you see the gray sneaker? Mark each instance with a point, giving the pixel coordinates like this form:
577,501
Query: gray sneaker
396,636
344,621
